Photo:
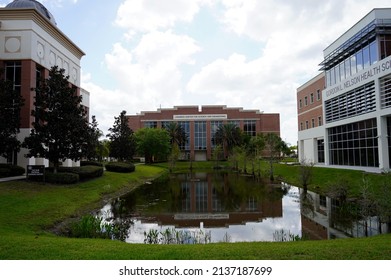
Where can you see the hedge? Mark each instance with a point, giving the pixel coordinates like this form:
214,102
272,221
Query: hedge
88,162
122,167
61,178
9,170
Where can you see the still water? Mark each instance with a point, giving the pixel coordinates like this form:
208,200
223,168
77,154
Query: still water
233,208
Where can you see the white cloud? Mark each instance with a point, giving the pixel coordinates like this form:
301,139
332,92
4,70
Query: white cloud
148,76
148,15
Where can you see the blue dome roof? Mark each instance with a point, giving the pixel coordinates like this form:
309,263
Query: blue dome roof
26,4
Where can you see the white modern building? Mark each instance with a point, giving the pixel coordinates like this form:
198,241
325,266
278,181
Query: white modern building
30,44
356,99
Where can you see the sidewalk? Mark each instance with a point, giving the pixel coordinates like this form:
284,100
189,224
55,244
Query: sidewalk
14,178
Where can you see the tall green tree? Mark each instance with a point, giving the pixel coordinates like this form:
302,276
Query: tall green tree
273,147
60,126
122,144
92,141
228,136
153,143
11,103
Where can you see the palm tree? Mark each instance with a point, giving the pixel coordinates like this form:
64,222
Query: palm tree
228,136
273,144
177,134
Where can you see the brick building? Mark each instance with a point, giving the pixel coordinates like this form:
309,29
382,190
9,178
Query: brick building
30,44
200,124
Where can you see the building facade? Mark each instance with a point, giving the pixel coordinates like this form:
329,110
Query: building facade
30,44
200,124
356,100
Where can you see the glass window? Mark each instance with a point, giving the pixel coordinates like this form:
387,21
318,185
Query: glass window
250,127
373,52
354,149
186,127
366,58
347,68
337,74
318,95
214,126
305,101
359,60
200,135
312,98
353,65
312,122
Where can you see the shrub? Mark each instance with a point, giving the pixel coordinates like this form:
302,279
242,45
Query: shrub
88,162
84,172
61,178
123,167
7,170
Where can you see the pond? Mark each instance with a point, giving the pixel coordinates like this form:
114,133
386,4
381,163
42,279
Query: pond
228,207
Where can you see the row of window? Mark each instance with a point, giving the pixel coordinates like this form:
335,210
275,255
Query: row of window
354,144
308,125
311,99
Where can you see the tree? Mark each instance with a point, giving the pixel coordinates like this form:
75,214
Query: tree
92,141
273,144
228,136
122,145
11,103
60,126
177,134
153,143
103,149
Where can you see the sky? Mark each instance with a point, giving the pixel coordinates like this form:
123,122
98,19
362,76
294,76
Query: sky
142,55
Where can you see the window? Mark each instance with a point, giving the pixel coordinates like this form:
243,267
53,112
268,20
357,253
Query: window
318,95
311,98
321,151
305,101
301,126
300,104
313,122
200,135
150,124
214,126
319,121
250,127
354,144
306,124
186,127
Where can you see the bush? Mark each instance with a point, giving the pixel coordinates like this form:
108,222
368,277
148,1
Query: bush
123,167
88,162
61,178
9,170
84,172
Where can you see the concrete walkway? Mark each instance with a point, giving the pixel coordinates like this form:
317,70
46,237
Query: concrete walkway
14,178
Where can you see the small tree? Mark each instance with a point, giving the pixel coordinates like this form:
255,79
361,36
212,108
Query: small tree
122,145
60,128
305,173
272,150
11,103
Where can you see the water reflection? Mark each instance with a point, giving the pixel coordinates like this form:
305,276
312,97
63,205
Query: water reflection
232,208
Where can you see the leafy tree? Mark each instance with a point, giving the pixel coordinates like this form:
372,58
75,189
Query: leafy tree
11,103
228,136
273,144
60,128
122,145
92,141
153,143
103,149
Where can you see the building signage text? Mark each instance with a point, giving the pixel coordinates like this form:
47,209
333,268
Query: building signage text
376,70
201,117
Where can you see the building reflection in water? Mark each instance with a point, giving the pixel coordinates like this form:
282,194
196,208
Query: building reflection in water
229,204
323,217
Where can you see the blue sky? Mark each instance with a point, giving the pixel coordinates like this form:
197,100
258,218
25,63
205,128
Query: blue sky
146,54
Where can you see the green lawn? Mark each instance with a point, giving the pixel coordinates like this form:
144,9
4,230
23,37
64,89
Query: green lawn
29,211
